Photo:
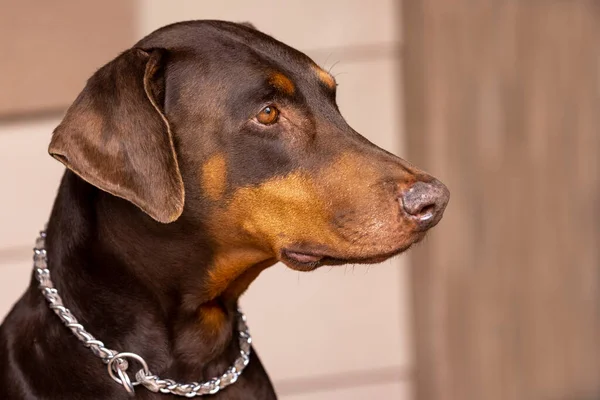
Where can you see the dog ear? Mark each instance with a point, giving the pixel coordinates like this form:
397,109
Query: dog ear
116,136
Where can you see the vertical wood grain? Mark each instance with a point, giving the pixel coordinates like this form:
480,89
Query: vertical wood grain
502,104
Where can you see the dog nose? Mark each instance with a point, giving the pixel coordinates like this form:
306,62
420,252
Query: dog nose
424,202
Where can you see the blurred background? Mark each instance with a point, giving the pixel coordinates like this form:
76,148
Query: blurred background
497,98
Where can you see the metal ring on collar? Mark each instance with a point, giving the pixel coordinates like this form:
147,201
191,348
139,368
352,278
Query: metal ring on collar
121,366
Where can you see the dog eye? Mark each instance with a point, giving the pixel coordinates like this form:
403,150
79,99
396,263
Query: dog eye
268,115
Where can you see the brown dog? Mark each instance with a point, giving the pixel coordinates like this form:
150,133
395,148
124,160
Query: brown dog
198,158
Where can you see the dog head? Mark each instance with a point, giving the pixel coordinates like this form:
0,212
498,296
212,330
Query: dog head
218,122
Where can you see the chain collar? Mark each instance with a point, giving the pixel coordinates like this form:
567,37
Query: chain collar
117,363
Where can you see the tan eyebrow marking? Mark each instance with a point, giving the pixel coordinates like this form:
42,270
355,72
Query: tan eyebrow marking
325,77
282,82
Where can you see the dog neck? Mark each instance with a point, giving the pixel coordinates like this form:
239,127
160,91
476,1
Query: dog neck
141,286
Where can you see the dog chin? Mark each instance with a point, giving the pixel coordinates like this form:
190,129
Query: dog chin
306,260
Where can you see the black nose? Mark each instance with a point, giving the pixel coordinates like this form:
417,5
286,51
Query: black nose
424,202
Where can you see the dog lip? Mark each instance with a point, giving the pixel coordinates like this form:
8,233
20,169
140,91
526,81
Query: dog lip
302,258
300,261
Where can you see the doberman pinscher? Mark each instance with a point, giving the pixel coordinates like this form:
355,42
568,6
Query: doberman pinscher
196,159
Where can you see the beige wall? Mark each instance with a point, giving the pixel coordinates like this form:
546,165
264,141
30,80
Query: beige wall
334,334
47,62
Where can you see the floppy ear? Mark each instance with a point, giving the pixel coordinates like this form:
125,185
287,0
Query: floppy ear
116,136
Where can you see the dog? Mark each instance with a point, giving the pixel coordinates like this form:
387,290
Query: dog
204,154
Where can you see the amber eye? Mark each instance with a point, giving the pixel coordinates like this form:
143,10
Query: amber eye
268,115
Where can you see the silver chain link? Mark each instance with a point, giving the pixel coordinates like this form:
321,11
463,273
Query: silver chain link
117,363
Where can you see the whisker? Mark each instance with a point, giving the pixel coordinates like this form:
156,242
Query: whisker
334,64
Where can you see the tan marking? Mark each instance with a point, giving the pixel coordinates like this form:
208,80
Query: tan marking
259,221
214,173
230,266
301,207
212,316
278,212
282,211
325,77
239,285
282,82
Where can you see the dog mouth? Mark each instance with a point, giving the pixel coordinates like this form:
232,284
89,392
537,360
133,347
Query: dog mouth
303,258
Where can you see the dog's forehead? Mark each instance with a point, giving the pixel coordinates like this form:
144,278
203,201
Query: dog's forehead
234,46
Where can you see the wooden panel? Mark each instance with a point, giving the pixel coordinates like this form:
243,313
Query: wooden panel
50,48
503,105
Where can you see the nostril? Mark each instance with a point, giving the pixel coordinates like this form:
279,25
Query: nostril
422,210
425,201
426,212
